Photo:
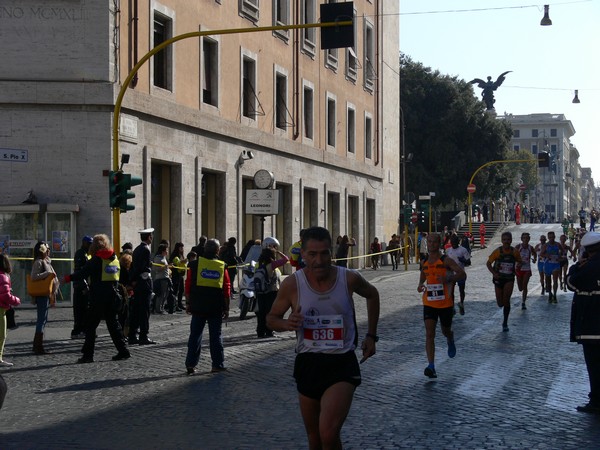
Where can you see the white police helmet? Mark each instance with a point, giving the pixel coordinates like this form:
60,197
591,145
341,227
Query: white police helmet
590,238
270,242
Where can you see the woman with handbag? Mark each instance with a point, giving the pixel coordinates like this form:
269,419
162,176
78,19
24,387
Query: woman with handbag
7,299
42,270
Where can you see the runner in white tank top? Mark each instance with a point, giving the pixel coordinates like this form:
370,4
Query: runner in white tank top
322,315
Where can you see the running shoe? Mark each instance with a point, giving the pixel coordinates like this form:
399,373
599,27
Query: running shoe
523,307
451,349
461,308
554,300
430,372
504,328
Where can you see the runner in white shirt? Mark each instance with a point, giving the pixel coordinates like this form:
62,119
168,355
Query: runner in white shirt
462,256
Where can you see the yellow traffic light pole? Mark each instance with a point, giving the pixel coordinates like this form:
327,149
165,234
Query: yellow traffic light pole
469,198
115,132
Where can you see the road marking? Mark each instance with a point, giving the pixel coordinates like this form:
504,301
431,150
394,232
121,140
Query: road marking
569,388
479,384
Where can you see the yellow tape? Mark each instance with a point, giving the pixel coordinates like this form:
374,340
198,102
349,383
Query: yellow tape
372,254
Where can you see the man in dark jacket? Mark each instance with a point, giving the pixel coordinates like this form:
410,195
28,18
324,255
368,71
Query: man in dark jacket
80,291
208,290
140,279
584,280
103,271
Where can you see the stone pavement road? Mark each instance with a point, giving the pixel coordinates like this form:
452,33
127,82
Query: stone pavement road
503,390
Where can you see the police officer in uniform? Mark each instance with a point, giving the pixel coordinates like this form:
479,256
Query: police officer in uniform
103,271
208,289
141,281
584,280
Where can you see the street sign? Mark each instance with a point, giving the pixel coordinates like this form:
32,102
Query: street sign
262,202
522,187
471,188
414,217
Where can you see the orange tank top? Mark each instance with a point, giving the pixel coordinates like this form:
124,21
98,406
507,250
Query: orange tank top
437,294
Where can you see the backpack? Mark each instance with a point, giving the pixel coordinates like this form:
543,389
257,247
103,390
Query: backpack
262,281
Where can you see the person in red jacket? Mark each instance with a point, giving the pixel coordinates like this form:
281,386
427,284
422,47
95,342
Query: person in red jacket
207,293
103,271
482,235
7,300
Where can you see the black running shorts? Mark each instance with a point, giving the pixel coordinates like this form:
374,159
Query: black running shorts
317,372
444,314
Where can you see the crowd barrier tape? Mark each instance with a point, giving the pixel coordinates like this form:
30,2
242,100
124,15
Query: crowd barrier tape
238,266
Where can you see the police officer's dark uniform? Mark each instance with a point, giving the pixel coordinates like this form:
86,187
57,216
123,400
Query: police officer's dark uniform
584,280
103,271
140,279
80,290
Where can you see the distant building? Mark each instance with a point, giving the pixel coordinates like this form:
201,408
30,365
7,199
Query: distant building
558,189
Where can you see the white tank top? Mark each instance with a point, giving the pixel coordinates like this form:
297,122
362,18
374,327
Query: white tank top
329,319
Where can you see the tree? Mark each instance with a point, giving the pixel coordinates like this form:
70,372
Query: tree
449,134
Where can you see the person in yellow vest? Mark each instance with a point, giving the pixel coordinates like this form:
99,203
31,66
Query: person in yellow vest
207,293
103,271
438,273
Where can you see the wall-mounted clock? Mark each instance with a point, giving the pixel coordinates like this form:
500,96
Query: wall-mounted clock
263,179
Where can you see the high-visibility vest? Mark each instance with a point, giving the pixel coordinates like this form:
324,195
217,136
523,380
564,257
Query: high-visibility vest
110,269
210,273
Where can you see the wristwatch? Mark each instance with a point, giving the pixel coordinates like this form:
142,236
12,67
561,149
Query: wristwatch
373,336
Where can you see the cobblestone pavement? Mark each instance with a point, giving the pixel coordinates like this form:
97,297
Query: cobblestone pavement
503,390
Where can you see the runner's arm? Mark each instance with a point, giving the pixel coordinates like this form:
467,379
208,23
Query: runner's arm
459,273
365,289
287,298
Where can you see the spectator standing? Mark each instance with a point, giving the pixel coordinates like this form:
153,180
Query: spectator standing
228,254
103,270
393,247
208,293
482,231
161,274
295,254
178,263
80,290
268,261
375,249
7,300
343,250
199,249
42,269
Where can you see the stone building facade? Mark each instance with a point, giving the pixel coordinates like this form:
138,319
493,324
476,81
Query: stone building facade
202,116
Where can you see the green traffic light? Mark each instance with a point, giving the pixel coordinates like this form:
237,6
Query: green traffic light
126,181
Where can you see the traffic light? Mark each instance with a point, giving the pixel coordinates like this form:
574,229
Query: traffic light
422,217
125,183
543,159
114,189
337,36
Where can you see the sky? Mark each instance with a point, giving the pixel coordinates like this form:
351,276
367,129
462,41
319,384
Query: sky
547,62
